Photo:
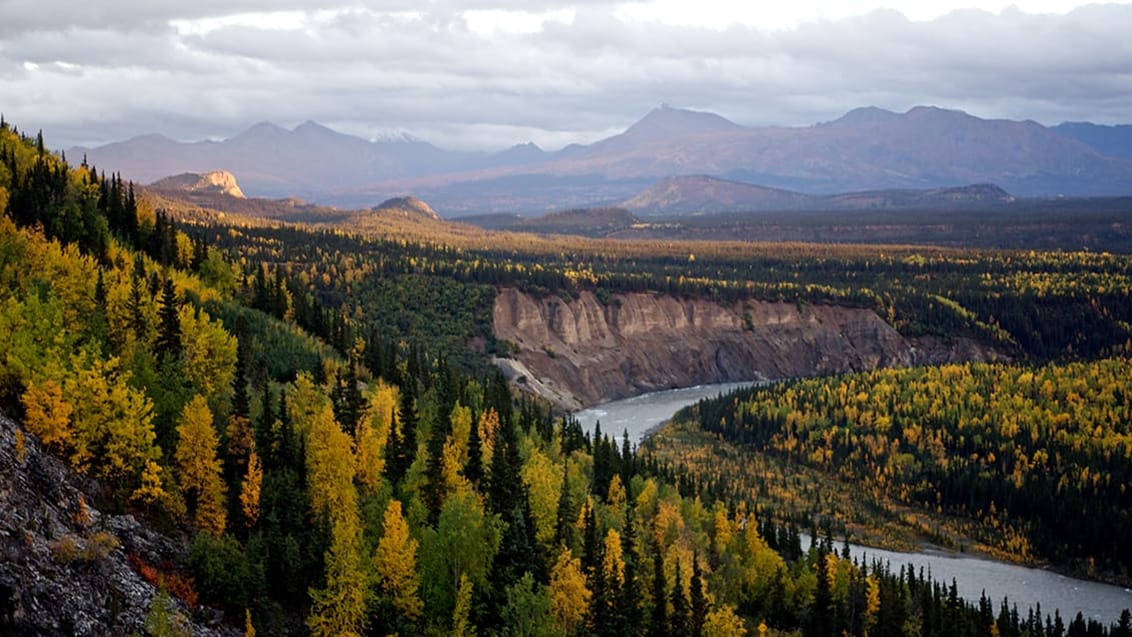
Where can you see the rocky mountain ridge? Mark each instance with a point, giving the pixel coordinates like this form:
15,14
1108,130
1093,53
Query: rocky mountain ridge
584,352
866,149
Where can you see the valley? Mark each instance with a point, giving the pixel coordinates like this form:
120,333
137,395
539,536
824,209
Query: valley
330,411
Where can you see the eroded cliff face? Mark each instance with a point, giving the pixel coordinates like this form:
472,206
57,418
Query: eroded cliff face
583,352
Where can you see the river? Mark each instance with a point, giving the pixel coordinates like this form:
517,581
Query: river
1023,586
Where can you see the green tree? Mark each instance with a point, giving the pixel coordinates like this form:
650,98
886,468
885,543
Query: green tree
168,343
463,544
527,612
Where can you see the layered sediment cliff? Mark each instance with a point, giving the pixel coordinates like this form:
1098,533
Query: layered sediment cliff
583,352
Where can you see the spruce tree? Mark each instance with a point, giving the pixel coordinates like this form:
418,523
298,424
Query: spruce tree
699,601
435,484
168,344
473,468
658,623
241,402
406,450
679,622
629,604
564,517
135,303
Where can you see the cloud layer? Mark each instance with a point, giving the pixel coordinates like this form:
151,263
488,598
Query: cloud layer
491,73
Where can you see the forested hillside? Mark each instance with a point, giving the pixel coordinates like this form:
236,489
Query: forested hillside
302,408
1026,453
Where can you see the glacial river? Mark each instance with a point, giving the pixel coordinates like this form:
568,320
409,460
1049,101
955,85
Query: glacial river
1023,586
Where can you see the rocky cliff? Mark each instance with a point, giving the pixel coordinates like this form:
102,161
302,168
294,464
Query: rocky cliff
217,182
583,352
67,568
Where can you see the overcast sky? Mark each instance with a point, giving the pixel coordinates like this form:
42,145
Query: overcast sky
492,73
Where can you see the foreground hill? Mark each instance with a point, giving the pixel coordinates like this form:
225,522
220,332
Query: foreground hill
867,149
70,569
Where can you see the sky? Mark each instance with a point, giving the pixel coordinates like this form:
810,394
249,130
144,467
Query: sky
487,74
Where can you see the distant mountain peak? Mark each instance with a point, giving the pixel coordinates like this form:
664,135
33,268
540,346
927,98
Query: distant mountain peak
267,126
262,130
876,116
668,121
311,125
866,115
936,111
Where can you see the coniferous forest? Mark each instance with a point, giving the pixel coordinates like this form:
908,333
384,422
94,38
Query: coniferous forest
303,407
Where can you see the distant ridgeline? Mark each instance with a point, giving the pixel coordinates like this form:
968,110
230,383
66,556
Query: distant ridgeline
259,389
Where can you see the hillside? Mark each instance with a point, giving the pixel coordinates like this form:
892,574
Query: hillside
1114,141
312,418
70,569
693,194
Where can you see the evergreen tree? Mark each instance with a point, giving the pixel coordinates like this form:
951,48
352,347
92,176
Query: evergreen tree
406,450
393,451
658,622
435,484
473,468
240,400
679,623
135,303
169,327
629,604
564,518
699,608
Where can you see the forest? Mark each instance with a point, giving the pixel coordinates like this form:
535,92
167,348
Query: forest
303,407
1026,453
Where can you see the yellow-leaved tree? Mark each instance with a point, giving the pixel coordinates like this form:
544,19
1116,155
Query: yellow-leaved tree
48,415
112,422
371,434
339,607
569,597
543,479
198,468
395,564
722,621
250,490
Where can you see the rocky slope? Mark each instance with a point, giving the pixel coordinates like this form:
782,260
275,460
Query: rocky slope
583,352
68,569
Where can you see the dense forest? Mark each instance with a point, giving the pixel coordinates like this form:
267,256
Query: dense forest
1027,453
1040,305
302,407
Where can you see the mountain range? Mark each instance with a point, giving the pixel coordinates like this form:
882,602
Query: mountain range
867,149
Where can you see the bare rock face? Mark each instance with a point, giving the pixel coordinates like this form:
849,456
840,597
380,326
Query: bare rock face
408,205
217,182
583,352
65,567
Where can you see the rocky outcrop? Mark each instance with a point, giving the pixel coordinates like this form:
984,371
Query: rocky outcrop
582,352
217,182
408,205
65,567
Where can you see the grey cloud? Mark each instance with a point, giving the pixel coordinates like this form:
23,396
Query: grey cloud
370,69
